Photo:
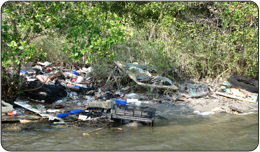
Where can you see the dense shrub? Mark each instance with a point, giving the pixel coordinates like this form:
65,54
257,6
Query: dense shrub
176,39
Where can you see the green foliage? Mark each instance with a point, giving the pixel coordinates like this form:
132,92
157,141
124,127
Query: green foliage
81,29
185,38
91,32
241,18
198,38
85,27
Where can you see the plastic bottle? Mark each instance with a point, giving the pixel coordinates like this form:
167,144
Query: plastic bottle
132,96
73,95
53,110
41,108
204,88
192,91
14,113
198,89
23,72
48,69
58,101
79,79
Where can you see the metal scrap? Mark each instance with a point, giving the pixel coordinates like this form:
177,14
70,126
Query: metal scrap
43,115
134,75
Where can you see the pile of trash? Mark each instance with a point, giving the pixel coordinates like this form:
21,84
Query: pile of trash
63,96
50,83
66,96
235,98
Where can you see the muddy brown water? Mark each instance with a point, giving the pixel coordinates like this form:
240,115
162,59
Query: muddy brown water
183,130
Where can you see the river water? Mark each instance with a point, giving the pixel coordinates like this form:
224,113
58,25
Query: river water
181,132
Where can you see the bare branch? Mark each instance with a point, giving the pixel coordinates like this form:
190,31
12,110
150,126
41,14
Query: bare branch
151,34
42,34
27,34
14,25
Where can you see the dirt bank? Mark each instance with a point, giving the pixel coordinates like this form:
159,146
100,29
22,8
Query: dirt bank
206,106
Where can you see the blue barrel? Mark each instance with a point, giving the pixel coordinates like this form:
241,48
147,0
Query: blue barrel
122,102
75,111
62,115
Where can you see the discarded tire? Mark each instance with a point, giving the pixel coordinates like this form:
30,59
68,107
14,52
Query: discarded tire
245,83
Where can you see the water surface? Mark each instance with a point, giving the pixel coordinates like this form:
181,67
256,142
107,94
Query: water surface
182,132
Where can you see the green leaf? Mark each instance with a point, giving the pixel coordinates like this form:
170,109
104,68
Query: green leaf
48,19
12,44
21,47
17,61
112,22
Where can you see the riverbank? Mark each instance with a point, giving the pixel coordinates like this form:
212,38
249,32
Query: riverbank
164,110
62,92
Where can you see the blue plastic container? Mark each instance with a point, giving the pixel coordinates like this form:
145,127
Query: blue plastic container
23,72
62,115
121,102
75,72
75,111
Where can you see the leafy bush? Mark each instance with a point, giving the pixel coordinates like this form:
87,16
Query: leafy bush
177,39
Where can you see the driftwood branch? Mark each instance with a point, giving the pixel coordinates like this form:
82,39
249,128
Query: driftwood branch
111,74
151,34
14,25
27,34
41,34
219,76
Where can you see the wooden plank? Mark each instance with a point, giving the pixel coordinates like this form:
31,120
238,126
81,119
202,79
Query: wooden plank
18,118
235,97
